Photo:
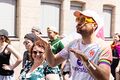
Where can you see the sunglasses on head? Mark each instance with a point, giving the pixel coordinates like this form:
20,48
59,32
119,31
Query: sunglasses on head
35,52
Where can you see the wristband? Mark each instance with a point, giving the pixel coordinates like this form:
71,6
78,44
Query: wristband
91,65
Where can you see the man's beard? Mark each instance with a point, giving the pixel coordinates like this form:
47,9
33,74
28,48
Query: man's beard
85,33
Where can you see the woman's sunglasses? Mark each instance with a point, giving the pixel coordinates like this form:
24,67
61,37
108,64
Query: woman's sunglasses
26,42
35,52
1,36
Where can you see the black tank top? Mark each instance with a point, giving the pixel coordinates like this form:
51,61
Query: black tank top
4,59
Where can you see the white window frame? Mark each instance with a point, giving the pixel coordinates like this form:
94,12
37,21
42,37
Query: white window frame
74,6
54,2
108,10
6,23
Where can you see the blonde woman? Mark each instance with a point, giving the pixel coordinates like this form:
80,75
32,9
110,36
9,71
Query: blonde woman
6,49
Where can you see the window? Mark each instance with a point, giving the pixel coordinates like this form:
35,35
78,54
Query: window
74,6
107,13
50,15
7,16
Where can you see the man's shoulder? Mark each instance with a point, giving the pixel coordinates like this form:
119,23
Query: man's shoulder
103,45
101,42
74,42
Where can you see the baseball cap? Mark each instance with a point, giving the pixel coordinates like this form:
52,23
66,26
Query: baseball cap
31,37
4,32
94,15
89,13
36,28
52,29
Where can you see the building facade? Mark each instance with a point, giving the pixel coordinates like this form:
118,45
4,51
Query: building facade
19,16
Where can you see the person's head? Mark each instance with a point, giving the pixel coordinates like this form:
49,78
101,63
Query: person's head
116,37
36,30
52,32
4,36
87,22
38,50
29,39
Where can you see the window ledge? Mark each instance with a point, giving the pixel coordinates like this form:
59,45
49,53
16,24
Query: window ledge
108,39
14,39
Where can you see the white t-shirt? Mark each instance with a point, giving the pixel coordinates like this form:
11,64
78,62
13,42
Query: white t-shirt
96,52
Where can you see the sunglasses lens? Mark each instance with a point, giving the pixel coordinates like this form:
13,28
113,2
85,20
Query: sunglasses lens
81,20
35,52
25,42
89,20
1,37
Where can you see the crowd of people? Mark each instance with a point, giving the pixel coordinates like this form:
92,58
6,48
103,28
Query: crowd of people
85,58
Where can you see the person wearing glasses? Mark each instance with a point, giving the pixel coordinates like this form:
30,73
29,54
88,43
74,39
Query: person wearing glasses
6,49
90,57
35,70
29,39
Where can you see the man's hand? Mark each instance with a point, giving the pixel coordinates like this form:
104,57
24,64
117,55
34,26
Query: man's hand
44,42
80,55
